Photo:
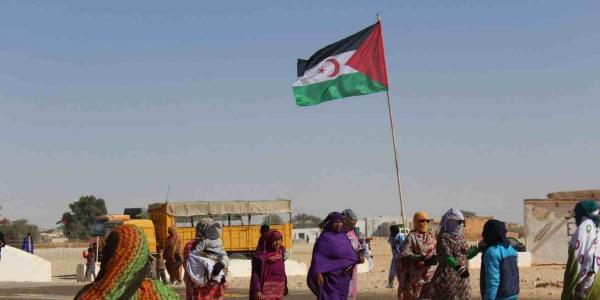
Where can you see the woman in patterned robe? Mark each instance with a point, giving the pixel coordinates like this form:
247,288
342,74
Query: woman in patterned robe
416,262
451,278
581,280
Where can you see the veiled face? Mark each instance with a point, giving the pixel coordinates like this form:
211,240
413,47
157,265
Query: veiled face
421,222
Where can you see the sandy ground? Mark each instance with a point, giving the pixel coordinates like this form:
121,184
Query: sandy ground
372,284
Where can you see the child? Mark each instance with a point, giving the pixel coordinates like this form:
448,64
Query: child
209,244
202,281
161,267
90,264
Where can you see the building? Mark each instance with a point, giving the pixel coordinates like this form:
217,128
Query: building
301,234
549,225
474,227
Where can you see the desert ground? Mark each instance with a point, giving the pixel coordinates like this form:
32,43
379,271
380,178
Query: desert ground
538,282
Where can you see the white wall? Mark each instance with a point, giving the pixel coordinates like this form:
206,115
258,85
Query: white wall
548,226
19,266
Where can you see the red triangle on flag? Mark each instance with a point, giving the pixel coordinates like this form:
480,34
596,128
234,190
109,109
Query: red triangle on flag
369,58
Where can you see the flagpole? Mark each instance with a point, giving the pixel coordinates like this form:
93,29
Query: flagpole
393,130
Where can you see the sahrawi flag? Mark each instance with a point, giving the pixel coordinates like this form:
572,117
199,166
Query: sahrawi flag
351,67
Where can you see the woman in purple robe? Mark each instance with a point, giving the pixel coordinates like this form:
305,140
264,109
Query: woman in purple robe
268,281
332,262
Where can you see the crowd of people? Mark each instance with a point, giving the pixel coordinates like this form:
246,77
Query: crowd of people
425,265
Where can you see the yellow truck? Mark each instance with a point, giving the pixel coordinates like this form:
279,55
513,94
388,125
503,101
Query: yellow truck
240,230
104,224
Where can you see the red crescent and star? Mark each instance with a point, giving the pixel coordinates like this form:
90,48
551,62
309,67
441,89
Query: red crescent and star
336,67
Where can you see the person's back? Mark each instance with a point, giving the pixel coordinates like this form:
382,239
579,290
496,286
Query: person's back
499,273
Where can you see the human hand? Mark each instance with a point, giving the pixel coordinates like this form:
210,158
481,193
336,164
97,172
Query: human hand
258,296
320,279
275,257
462,271
431,260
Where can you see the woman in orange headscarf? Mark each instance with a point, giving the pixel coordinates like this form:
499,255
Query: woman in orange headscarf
174,255
416,262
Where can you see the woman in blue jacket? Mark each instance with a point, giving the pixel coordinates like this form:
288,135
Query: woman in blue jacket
499,272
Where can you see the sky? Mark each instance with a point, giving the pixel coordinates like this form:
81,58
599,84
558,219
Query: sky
494,102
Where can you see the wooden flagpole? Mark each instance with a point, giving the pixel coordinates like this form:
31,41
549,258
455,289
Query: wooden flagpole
393,130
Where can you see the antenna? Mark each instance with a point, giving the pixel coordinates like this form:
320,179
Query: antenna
168,190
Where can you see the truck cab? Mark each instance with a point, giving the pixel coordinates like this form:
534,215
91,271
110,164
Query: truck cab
103,225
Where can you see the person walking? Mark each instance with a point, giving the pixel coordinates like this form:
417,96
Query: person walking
417,259
268,280
203,279
333,259
349,220
499,279
174,255
580,279
451,278
90,264
396,240
125,261
161,266
27,245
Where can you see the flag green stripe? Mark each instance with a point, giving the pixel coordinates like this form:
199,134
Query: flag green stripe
347,85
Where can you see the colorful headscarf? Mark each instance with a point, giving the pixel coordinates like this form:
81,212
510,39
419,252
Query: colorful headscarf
418,225
587,209
123,269
494,233
447,224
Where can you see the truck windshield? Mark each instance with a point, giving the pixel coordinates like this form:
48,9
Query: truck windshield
98,228
108,226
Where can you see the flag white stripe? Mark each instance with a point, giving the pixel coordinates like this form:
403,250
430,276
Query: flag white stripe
324,70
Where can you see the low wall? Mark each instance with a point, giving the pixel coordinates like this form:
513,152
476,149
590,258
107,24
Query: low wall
243,268
19,266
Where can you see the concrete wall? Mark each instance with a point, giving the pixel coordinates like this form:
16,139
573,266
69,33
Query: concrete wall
548,228
19,266
474,227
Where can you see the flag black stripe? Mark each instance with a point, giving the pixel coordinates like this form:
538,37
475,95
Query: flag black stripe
348,44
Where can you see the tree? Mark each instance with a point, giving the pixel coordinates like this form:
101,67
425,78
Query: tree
306,221
15,231
78,223
273,220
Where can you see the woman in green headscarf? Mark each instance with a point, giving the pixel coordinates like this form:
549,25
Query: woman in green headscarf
580,280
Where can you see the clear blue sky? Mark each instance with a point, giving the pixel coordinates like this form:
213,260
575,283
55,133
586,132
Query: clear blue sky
495,101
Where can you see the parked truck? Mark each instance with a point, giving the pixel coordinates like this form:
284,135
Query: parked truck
240,231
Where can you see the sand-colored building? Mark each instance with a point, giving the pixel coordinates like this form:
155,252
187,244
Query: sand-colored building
549,225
